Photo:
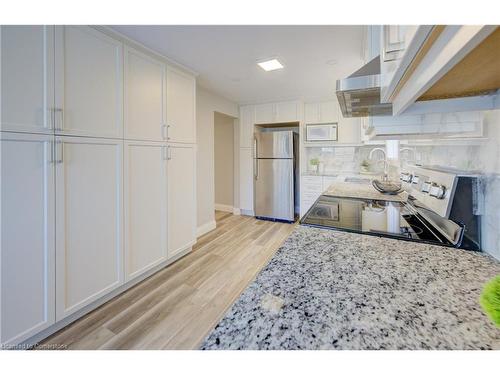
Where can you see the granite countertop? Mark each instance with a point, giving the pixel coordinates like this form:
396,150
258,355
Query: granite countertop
326,289
367,191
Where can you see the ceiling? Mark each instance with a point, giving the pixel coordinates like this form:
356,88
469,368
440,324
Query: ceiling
226,57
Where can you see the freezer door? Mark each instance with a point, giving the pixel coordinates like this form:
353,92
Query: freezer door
274,190
277,144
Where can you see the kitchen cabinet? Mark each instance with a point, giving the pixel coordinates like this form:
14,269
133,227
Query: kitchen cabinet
27,83
181,96
247,121
288,111
280,112
27,254
430,125
321,112
265,113
145,207
181,198
88,83
145,97
428,69
310,190
246,180
349,130
88,220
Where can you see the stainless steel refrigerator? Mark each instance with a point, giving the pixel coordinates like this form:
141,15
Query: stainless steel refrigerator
276,175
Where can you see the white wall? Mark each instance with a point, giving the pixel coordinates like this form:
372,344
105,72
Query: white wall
207,103
224,161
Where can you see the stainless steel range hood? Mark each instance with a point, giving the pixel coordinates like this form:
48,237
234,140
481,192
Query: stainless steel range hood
359,94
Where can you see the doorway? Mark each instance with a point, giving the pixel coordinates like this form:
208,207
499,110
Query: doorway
224,136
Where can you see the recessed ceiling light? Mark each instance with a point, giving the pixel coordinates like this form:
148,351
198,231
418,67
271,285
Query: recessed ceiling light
270,65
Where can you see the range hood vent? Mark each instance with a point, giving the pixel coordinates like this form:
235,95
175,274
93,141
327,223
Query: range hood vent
359,94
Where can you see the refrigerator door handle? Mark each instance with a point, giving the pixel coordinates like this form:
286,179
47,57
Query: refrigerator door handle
255,160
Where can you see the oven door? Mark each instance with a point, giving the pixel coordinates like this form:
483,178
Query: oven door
321,132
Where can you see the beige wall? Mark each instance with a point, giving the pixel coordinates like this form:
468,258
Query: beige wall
224,160
207,104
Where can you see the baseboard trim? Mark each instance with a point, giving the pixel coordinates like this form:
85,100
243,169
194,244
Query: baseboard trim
224,207
57,326
236,211
205,228
247,212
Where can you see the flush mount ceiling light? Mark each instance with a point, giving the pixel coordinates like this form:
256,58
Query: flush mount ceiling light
269,65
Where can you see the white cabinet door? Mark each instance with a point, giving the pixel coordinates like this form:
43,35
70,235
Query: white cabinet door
265,113
246,179
349,130
287,112
247,122
321,112
27,78
88,220
89,83
27,248
145,99
311,113
329,111
181,198
145,192
181,106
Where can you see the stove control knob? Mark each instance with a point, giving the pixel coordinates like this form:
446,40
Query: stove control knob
414,179
437,191
405,177
426,186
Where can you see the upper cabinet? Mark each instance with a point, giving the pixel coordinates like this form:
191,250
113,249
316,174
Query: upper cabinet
451,68
145,97
322,112
88,83
181,103
268,113
27,54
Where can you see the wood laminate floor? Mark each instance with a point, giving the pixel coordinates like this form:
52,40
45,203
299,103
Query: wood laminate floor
177,307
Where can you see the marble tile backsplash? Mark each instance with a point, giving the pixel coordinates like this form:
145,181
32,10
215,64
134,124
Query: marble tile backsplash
336,160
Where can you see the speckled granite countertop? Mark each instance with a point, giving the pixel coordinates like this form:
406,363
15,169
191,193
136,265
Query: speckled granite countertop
326,289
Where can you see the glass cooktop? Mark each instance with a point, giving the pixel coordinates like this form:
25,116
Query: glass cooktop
382,218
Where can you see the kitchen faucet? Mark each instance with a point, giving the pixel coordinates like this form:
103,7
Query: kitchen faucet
384,160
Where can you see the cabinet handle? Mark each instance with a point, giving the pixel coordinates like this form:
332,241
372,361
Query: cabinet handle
168,132
52,151
164,152
163,131
61,119
60,146
51,118
169,153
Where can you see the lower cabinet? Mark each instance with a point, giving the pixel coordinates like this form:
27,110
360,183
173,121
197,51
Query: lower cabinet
181,198
89,196
145,191
27,255
82,216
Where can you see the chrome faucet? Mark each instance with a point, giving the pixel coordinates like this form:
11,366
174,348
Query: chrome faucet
384,160
410,151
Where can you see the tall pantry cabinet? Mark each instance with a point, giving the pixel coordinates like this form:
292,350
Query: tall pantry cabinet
89,164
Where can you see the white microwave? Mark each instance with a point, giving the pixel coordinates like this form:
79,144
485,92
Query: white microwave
321,132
